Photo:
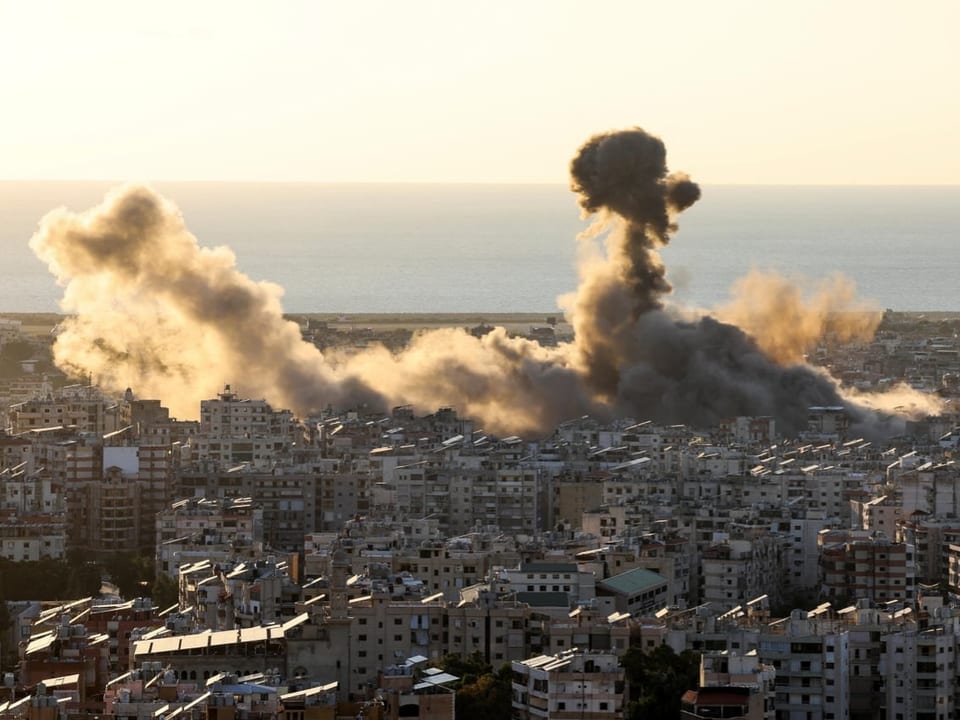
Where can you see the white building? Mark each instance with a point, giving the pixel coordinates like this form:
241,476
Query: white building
811,655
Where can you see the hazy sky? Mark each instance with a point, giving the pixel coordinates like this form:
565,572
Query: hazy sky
741,92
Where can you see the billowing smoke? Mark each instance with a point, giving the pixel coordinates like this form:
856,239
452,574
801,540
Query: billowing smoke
623,178
645,360
514,385
154,311
788,323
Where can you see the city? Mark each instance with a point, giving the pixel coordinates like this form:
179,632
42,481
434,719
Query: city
337,565
376,361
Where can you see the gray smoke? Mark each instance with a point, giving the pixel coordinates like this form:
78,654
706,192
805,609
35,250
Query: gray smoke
153,310
645,361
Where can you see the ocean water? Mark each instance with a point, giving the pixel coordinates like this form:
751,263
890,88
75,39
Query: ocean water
512,248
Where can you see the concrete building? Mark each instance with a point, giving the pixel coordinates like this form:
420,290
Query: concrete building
735,570
229,415
858,564
918,671
810,653
15,453
79,406
569,685
638,592
731,686
543,577
29,538
194,530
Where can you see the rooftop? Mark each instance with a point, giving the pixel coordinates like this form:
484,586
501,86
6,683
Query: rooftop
633,581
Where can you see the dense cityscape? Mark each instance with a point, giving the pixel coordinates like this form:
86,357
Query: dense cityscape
358,563
376,361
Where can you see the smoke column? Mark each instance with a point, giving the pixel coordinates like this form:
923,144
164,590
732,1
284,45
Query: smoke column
646,361
154,311
622,176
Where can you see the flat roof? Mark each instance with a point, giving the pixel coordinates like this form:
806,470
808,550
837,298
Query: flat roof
311,691
548,567
544,599
633,581
196,641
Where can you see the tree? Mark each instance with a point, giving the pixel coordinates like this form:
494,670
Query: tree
488,696
466,667
657,681
133,574
482,694
165,591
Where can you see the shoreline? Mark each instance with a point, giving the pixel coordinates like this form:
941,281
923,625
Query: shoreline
39,323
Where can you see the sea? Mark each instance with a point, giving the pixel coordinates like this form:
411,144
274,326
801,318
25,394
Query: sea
463,248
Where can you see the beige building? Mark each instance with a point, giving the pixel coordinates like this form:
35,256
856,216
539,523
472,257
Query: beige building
80,406
569,685
193,530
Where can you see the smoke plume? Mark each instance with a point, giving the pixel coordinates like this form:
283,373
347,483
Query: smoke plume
622,177
153,310
788,323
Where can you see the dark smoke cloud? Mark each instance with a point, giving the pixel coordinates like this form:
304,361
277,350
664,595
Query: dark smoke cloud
709,370
645,361
154,311
625,173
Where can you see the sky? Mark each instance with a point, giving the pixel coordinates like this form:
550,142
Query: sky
818,92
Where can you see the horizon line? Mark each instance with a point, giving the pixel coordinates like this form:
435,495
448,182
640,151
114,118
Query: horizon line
435,183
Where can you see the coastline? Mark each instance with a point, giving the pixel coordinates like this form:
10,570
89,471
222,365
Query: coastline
43,323
38,323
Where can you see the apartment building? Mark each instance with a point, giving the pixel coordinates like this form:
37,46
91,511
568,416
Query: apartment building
638,592
918,668
193,530
731,685
859,564
15,453
737,569
82,407
568,685
810,653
